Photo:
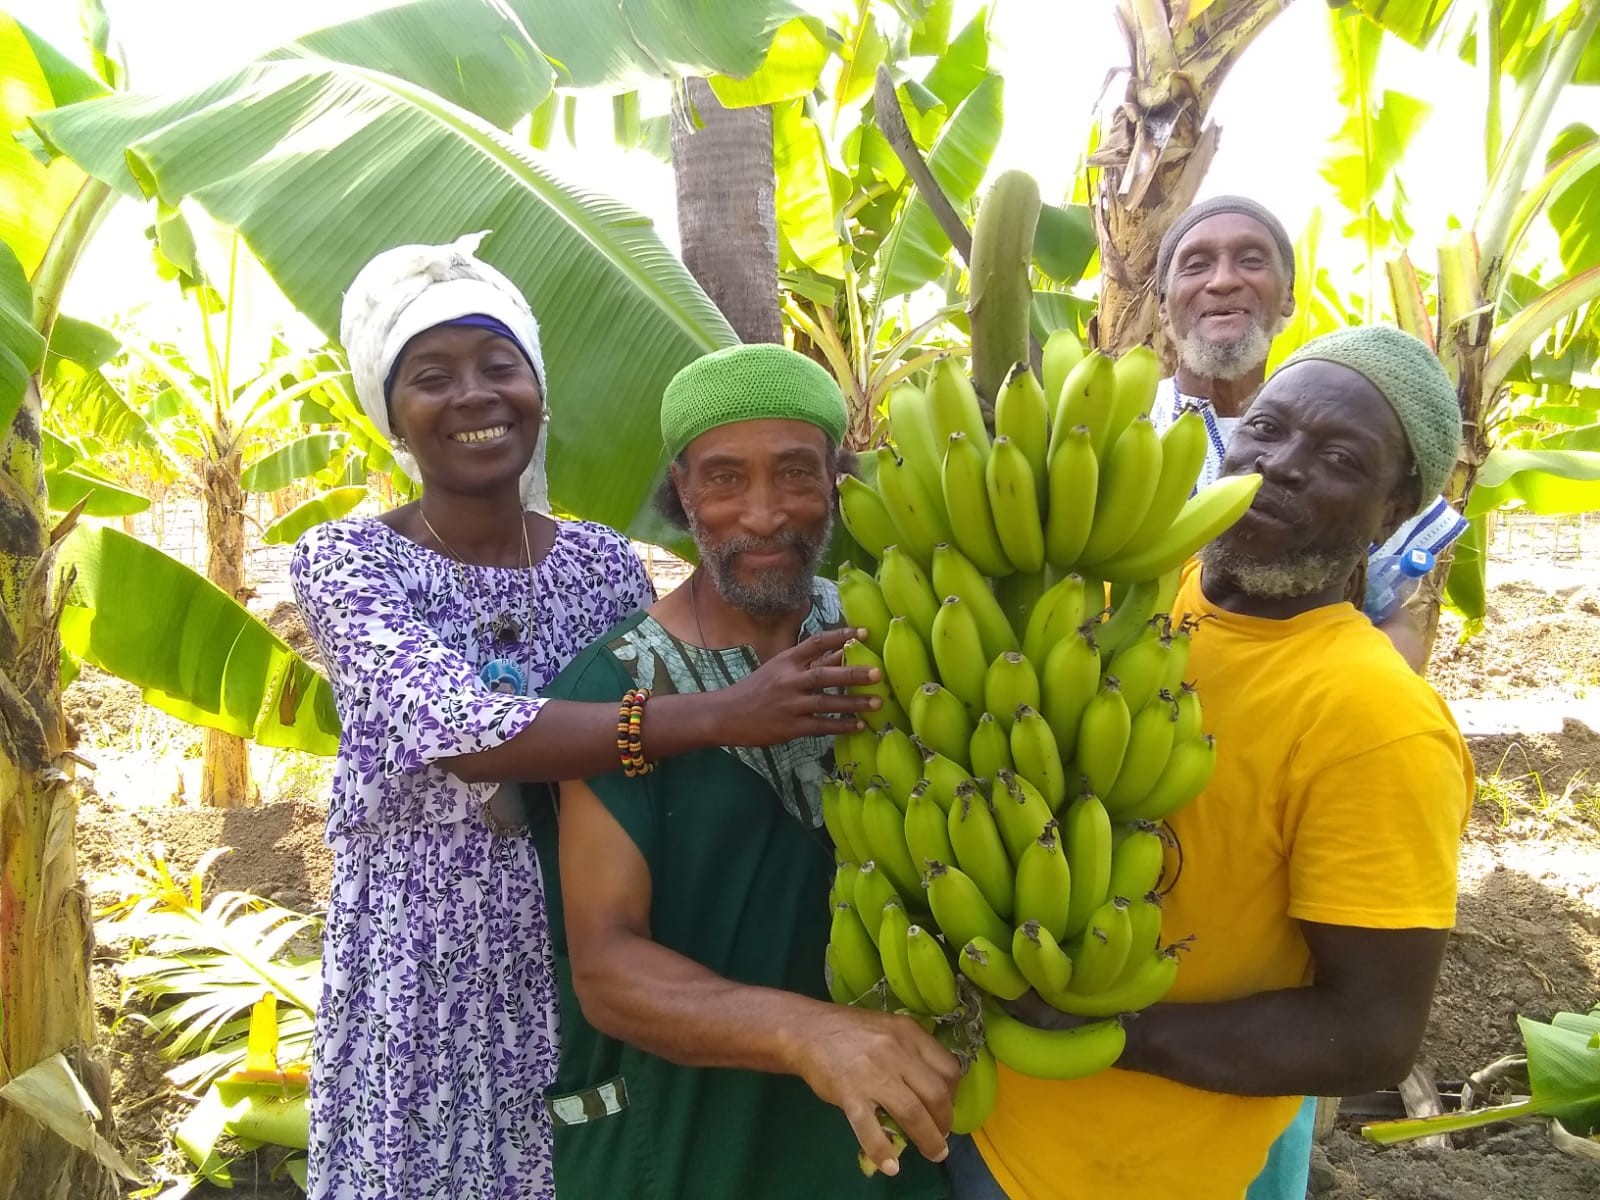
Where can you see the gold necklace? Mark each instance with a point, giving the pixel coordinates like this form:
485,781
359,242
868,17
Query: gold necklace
498,674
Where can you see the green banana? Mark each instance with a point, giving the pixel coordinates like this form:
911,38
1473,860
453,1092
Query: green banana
1150,737
941,721
885,827
1062,352
1129,619
944,775
1146,982
833,819
1052,1053
1086,835
1008,684
1208,513
931,972
1188,728
873,890
899,763
1183,453
1040,958
859,654
906,661
1185,776
1037,756
1136,862
959,907
1044,884
975,1094
1074,484
854,955
849,816
918,515
861,601
1022,414
1020,813
1100,954
927,828
908,591
990,748
864,516
1059,611
1177,659
1128,477
911,427
896,964
958,653
999,289
954,407
966,497
844,884
1086,399
1140,666
1014,499
856,756
838,991
1135,375
1103,737
1069,681
954,574
992,969
1144,918
980,850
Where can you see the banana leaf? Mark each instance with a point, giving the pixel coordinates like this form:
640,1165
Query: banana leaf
21,347
330,506
791,69
1547,482
100,497
320,165
1466,587
197,653
303,457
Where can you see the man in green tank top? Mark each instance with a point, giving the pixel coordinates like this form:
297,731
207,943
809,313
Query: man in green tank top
700,1055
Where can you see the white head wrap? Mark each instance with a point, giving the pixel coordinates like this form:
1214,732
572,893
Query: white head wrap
408,289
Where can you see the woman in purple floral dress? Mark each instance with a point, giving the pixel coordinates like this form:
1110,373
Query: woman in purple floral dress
439,622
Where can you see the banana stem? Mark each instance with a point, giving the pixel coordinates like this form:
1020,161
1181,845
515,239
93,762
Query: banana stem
893,124
1388,1133
67,244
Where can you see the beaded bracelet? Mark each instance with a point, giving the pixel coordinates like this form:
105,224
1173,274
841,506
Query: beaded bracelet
630,733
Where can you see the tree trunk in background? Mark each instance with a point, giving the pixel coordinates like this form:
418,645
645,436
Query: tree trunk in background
727,213
46,934
1156,144
225,759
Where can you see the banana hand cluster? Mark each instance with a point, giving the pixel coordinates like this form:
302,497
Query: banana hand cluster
997,828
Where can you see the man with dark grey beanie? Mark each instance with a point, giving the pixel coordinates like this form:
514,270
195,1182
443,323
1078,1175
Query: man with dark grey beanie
1318,866
1225,281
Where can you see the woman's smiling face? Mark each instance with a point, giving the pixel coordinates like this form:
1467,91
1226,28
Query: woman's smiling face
469,407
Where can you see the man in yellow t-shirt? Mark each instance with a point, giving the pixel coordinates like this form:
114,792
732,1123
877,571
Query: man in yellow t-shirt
1318,868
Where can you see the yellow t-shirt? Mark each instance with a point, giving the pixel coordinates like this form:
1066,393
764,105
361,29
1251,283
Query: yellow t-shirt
1341,789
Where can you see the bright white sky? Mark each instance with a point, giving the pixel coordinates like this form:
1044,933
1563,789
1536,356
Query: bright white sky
1277,110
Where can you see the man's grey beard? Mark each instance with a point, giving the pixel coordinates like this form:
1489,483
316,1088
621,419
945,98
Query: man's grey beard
1303,573
773,593
1229,360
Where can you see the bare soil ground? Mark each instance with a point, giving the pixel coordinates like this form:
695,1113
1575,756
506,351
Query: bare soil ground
1527,938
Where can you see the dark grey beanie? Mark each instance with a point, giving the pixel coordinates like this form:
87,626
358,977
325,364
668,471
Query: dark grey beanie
1195,213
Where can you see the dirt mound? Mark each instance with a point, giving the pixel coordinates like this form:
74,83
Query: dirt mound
1504,1164
1533,639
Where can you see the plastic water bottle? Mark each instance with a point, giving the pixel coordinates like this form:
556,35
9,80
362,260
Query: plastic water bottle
1391,579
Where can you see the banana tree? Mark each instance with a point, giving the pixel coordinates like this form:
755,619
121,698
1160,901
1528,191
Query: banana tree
1503,330
1156,142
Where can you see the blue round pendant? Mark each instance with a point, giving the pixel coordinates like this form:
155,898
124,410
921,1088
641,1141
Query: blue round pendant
503,675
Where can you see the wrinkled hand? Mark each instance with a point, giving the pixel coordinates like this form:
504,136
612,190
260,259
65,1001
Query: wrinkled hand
861,1061
785,697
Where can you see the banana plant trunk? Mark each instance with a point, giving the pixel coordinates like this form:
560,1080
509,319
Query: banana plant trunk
1157,142
225,758
722,163
46,933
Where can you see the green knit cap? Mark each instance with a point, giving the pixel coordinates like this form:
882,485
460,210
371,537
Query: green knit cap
749,383
1410,378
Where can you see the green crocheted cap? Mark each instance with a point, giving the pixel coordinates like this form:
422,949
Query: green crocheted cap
1414,384
749,383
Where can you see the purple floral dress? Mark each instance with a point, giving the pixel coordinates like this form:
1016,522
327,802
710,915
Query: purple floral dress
436,1034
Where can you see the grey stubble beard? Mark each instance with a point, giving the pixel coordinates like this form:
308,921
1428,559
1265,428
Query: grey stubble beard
773,593
1212,359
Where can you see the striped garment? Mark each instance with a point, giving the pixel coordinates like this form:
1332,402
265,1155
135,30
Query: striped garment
1434,528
